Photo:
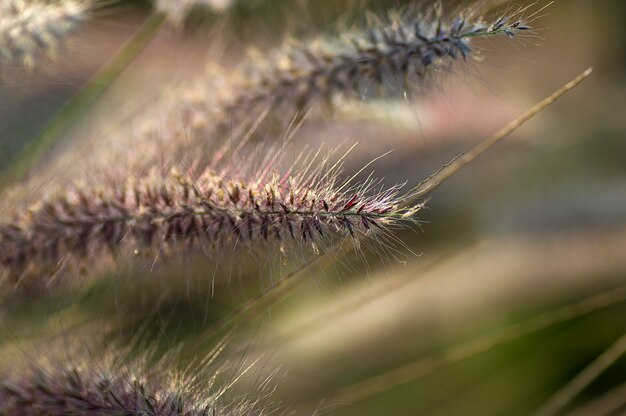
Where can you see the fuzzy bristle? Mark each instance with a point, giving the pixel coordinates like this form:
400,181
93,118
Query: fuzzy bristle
172,213
103,389
404,48
30,27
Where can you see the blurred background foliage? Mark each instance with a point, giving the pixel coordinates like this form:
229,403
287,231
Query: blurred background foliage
520,281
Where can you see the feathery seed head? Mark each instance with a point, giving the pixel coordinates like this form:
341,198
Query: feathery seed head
28,27
233,104
173,213
404,47
143,389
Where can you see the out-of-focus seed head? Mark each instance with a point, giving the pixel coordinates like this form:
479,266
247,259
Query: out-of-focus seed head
31,27
307,205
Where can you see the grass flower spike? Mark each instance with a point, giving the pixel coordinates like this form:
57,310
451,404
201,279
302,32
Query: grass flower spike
404,48
113,388
173,212
29,27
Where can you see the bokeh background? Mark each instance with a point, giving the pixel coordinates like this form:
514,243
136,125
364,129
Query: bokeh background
511,298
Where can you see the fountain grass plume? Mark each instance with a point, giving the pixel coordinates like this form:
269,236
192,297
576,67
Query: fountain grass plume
134,388
404,47
308,204
31,27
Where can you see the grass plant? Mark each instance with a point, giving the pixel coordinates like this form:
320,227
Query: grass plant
223,179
